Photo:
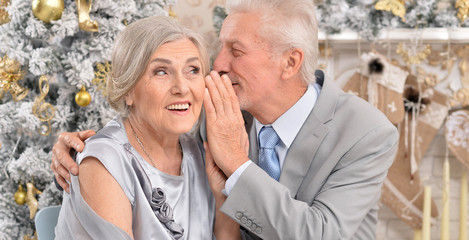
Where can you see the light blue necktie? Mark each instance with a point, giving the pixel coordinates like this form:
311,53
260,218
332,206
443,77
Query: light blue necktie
268,159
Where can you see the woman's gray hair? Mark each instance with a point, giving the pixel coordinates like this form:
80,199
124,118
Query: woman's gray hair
133,49
286,24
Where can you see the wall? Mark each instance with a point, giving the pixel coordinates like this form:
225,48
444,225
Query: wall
197,14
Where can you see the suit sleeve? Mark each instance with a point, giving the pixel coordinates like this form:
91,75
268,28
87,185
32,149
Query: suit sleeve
266,208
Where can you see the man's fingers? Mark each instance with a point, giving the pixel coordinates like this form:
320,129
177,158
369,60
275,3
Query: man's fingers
61,181
214,94
63,172
210,113
208,155
86,134
71,140
222,90
233,99
63,159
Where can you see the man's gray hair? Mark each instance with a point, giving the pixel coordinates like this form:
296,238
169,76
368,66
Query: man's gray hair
286,24
133,49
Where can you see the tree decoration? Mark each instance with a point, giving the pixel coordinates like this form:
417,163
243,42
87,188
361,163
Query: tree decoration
381,83
83,98
429,79
28,237
20,195
84,20
31,199
42,110
417,57
48,10
457,135
461,97
463,54
171,13
67,56
100,79
4,17
463,9
397,7
10,74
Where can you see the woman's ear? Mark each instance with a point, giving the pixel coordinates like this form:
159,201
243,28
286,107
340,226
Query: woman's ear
128,98
293,61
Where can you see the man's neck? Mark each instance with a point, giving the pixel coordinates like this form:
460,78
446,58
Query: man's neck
278,105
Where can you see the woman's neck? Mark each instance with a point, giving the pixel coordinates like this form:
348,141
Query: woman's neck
162,151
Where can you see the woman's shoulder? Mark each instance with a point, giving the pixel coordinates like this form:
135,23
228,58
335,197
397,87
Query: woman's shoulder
109,142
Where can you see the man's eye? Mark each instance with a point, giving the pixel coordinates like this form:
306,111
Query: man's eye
236,52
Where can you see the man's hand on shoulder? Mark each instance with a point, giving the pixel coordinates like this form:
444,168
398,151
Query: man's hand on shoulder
62,163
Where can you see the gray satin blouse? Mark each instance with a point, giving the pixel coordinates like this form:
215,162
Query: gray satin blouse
163,206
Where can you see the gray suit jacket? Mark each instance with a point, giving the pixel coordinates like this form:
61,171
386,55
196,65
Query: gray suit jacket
330,183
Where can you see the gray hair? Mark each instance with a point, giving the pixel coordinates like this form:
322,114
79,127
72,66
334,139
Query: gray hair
133,49
286,24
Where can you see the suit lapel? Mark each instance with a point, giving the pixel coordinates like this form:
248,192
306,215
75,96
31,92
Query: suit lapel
301,153
303,149
252,134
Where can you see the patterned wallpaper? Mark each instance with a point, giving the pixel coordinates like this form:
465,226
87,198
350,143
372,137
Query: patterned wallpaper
197,15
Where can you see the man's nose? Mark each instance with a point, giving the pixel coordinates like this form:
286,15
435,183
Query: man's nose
222,63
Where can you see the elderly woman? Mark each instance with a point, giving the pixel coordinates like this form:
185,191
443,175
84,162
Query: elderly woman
142,176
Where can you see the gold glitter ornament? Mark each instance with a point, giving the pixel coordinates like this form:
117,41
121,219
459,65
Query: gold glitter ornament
4,17
171,13
84,20
10,74
463,9
31,199
20,195
100,76
42,110
397,7
48,10
83,98
416,58
28,237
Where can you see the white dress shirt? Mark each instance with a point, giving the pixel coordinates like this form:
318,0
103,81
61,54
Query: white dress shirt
286,126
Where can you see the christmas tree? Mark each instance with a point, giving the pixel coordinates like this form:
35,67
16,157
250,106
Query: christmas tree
53,61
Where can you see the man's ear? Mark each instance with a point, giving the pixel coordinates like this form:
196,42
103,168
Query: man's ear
293,61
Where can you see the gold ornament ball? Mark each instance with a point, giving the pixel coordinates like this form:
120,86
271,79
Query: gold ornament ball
83,98
20,196
48,10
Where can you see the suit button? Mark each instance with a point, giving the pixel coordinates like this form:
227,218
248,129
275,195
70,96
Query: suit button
244,219
258,230
238,215
253,227
249,223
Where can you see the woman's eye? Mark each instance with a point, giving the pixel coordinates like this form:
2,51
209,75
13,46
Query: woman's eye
159,72
195,70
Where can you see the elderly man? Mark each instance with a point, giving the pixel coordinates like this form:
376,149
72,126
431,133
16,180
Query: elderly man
317,156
